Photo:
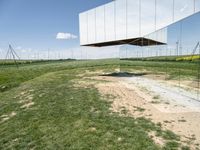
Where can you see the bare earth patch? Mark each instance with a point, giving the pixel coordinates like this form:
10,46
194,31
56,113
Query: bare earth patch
26,99
135,99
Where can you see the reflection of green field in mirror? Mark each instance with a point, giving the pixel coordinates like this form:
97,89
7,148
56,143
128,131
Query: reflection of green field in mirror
173,66
59,115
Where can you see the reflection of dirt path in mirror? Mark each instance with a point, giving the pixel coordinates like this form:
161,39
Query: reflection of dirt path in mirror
168,93
144,97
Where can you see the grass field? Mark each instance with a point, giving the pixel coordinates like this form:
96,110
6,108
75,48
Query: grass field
174,70
41,108
186,58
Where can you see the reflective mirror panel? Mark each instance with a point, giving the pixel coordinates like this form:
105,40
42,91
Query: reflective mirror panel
183,8
123,21
100,24
177,61
197,5
83,28
110,21
164,13
121,31
160,35
91,26
133,18
147,16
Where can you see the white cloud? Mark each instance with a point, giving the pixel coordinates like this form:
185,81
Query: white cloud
184,8
65,36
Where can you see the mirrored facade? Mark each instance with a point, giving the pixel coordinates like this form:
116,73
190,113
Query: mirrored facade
175,62
182,38
136,22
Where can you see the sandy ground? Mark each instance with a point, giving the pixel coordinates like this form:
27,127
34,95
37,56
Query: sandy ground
177,109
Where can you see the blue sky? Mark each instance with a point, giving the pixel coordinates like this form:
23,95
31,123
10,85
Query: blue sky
35,23
31,26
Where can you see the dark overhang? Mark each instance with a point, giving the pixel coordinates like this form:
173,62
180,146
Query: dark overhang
135,41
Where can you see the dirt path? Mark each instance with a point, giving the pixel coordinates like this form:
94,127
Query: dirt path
158,101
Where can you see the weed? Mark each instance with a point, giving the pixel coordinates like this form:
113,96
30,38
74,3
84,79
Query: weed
172,145
139,109
185,148
155,102
182,120
156,97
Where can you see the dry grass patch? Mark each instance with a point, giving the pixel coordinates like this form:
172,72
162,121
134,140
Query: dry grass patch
7,116
157,140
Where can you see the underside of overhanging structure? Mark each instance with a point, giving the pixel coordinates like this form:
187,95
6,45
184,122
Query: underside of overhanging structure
136,41
134,22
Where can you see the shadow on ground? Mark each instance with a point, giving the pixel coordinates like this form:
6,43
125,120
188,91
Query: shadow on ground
124,74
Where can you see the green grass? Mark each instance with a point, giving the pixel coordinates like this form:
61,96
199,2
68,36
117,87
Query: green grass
11,76
23,62
186,70
186,58
64,116
173,66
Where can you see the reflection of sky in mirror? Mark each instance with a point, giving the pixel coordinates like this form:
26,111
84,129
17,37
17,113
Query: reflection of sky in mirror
183,8
109,17
120,19
133,29
83,28
185,32
197,5
164,13
91,26
100,24
147,17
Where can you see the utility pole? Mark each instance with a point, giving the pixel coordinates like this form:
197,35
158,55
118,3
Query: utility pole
48,54
177,48
12,55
